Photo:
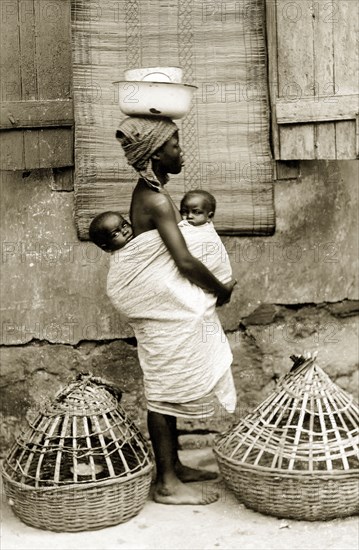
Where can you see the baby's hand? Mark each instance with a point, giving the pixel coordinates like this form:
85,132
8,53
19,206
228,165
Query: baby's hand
226,296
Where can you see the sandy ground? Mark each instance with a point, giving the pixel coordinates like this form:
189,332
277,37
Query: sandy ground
225,524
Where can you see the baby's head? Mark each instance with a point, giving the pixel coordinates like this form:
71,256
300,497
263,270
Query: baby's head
110,231
198,207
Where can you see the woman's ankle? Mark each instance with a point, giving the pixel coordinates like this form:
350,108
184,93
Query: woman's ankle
168,478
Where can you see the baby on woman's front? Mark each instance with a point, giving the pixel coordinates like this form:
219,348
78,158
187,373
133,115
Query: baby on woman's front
198,207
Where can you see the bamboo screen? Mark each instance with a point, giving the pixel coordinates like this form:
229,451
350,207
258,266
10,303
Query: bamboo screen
225,136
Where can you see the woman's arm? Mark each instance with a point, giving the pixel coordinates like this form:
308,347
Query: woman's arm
164,219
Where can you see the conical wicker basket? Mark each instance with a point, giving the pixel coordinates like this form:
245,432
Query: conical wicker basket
296,455
81,465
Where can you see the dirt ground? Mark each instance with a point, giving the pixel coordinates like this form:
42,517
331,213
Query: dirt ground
225,524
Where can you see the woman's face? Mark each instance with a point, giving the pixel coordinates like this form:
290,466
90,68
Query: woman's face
170,156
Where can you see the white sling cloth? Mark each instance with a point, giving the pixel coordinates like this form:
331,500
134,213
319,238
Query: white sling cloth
182,348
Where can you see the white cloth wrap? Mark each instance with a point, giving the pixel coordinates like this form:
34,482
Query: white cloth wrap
182,348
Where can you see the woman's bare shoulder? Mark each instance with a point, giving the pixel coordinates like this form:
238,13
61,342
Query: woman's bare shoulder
156,202
155,206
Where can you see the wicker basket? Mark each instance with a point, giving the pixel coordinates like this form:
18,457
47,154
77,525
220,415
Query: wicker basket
81,465
296,455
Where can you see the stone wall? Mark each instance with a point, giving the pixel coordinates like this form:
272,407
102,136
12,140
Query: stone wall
297,290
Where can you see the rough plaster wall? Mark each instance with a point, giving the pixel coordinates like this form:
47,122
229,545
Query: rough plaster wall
296,292
55,285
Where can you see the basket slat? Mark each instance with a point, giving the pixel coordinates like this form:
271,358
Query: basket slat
336,432
74,446
43,451
60,449
104,446
88,443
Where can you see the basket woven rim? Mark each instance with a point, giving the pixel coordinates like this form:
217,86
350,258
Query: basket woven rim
63,488
289,473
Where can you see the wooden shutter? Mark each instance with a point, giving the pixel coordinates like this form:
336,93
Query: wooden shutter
313,81
36,115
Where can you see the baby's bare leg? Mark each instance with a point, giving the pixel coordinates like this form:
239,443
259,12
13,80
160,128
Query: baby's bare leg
169,487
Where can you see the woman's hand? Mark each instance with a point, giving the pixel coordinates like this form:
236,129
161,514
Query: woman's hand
225,297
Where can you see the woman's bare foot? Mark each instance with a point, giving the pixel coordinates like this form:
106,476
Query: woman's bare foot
187,474
179,493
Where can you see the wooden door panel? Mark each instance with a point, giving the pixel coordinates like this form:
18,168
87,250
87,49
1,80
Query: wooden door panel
36,117
313,59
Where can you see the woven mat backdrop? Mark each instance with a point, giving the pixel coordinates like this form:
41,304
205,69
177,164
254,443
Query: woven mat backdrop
225,137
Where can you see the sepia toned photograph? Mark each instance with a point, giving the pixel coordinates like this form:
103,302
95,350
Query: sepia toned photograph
179,274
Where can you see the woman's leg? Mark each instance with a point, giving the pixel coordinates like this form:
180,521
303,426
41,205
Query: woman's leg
185,473
169,487
160,429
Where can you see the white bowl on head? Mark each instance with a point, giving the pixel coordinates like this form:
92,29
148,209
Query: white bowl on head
155,74
155,98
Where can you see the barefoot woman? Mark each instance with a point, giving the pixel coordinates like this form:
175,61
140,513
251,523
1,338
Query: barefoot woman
151,146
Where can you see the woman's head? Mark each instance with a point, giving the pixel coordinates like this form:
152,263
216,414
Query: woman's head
144,141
